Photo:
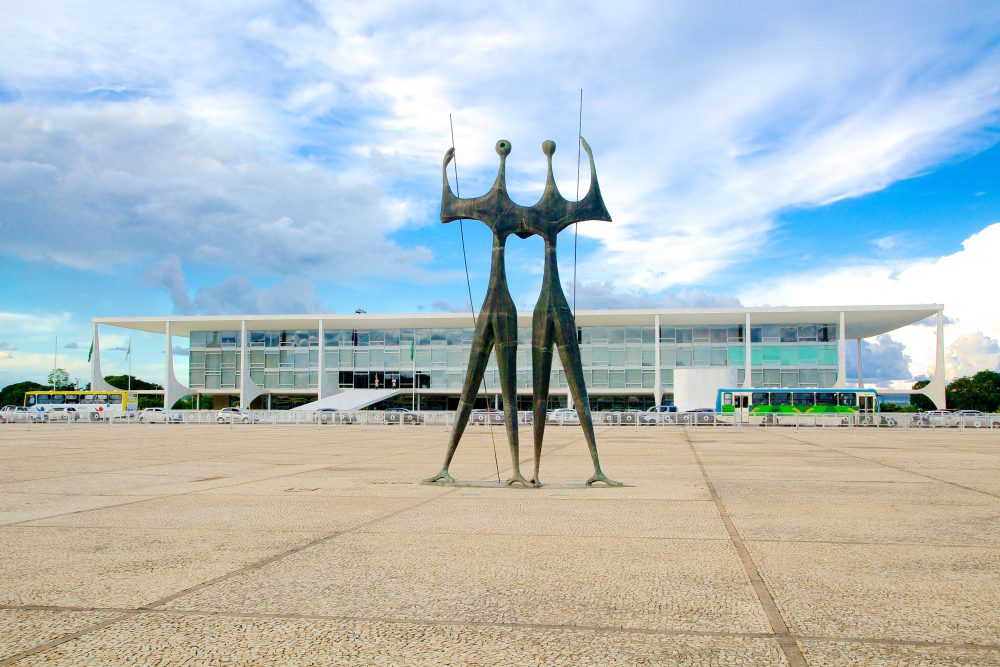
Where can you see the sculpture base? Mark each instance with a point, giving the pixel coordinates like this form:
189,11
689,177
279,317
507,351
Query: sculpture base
493,484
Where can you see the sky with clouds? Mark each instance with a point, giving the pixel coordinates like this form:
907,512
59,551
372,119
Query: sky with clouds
258,156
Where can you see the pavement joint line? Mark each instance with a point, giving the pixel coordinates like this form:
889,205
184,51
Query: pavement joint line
790,648
889,465
609,629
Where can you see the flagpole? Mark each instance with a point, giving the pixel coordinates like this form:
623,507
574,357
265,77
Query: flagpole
55,362
129,355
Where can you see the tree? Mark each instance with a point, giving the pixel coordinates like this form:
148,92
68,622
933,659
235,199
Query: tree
919,401
978,392
13,394
145,401
59,379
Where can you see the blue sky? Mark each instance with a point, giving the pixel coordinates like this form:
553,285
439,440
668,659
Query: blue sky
160,158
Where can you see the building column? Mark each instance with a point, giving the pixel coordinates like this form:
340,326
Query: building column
747,382
841,353
657,374
936,388
244,362
321,382
173,390
861,376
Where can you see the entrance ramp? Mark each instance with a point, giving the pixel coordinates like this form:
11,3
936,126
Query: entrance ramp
351,399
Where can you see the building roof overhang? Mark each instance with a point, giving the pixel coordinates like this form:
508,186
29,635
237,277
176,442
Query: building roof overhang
860,321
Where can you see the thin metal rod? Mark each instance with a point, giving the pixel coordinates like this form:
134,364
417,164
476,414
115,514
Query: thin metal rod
576,227
468,284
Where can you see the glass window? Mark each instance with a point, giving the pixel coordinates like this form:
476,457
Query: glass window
772,377
286,359
849,400
667,334
808,377
718,356
684,334
702,355
197,359
807,332
197,378
616,335
667,377
392,359
391,337
772,354
600,356
684,357
789,334
648,357
803,399
376,358
789,355
756,378
737,355
789,378
827,355
760,398
826,398
600,378
213,361
633,355
346,357
735,333
229,379
718,334
212,380
633,335
772,333
781,398
756,335
633,377
229,359
648,379
648,335
376,337
600,334
197,339
807,355
439,357
286,379
438,337
423,358
229,338
824,333
827,378
361,359
701,334
616,379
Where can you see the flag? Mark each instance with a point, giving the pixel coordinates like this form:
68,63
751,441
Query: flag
128,350
91,353
413,344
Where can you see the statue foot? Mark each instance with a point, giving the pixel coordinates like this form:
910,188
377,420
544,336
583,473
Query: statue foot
442,476
519,478
535,481
601,477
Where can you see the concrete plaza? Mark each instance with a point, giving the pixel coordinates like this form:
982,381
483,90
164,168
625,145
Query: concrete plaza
316,545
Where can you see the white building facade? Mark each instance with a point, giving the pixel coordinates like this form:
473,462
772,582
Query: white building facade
631,358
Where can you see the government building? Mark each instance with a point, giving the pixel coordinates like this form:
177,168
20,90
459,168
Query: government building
631,358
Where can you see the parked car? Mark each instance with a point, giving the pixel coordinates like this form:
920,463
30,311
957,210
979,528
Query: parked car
975,419
334,416
659,414
562,416
397,415
698,416
480,416
62,413
242,415
19,413
160,415
934,418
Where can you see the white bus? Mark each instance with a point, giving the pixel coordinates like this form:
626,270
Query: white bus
89,405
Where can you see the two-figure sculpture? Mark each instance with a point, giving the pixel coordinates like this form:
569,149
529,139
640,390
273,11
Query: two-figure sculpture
552,321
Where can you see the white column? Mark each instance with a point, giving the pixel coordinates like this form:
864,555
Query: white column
97,382
321,383
841,353
244,362
747,383
861,376
657,379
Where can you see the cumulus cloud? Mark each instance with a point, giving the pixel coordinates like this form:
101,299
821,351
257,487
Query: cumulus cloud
71,346
605,295
972,353
7,347
237,295
883,362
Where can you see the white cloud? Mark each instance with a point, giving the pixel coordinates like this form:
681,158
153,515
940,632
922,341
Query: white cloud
972,353
606,295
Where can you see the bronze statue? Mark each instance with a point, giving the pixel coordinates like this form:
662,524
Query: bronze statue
553,320
497,323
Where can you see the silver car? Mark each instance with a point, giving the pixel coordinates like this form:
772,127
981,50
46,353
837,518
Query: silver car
233,415
19,413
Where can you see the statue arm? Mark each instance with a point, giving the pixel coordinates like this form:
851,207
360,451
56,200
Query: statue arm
592,206
455,208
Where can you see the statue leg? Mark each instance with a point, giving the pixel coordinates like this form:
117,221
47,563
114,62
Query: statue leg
507,365
482,343
569,353
541,369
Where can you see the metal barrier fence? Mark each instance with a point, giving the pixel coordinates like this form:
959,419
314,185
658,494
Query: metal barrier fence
483,419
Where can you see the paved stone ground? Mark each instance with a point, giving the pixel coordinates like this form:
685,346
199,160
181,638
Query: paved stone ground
211,545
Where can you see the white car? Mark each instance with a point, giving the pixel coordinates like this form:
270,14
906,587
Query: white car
397,415
63,413
976,419
242,415
19,413
562,416
160,415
